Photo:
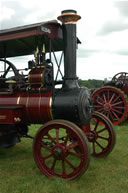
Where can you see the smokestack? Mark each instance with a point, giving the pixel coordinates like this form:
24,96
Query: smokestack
69,19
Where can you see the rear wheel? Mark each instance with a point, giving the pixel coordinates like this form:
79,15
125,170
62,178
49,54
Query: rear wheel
111,102
101,135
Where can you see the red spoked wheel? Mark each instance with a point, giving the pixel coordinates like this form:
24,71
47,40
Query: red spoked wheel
111,102
102,137
121,76
54,150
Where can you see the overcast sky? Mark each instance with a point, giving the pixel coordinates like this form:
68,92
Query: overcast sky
103,30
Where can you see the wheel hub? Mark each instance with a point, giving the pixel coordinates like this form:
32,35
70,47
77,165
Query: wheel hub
107,107
59,152
92,136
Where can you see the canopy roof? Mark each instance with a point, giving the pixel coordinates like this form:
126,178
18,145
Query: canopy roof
24,40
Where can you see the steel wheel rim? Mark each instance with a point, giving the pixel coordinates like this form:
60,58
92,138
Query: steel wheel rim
118,76
62,160
111,102
101,136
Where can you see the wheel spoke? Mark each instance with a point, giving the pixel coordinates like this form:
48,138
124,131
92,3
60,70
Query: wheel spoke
104,98
96,125
111,116
102,111
100,131
119,107
72,145
108,94
100,98
48,156
63,168
53,164
108,114
6,72
105,138
50,137
99,145
116,116
45,146
116,98
93,148
115,110
112,97
66,138
99,108
74,154
57,135
70,164
118,103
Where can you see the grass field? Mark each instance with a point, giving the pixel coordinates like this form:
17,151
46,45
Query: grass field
19,173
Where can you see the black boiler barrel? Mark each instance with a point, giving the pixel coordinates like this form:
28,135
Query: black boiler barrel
73,105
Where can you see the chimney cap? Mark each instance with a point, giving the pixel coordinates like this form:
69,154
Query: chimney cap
69,11
69,16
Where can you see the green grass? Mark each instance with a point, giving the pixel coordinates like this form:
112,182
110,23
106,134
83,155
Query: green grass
19,173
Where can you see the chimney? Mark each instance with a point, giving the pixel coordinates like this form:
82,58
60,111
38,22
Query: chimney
69,19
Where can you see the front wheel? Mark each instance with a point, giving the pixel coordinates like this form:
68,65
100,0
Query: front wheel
54,150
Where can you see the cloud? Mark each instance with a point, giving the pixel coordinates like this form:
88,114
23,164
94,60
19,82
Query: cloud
6,13
16,16
122,7
118,23
86,53
101,65
121,52
82,53
113,26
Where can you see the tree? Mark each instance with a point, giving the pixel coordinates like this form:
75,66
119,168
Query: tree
90,83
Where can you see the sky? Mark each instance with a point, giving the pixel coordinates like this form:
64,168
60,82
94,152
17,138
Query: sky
103,31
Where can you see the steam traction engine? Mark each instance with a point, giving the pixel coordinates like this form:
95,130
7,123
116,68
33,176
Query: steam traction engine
112,98
61,145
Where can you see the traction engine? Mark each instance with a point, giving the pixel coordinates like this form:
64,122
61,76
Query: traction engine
61,146
112,98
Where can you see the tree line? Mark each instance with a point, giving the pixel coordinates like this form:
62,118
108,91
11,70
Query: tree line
90,83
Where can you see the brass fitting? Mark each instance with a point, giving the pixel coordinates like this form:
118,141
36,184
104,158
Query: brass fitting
69,17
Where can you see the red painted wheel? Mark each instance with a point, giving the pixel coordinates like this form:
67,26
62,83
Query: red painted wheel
54,150
102,137
111,102
121,76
